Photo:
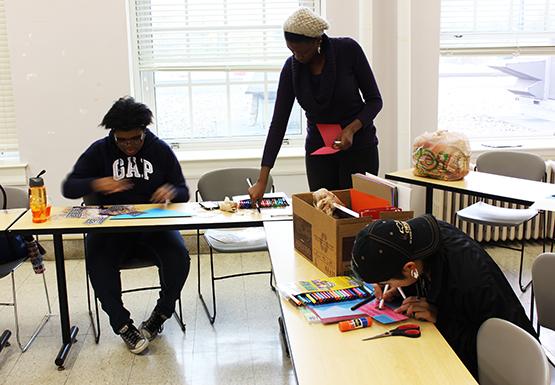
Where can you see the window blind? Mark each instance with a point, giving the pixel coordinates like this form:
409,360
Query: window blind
8,135
212,34
498,26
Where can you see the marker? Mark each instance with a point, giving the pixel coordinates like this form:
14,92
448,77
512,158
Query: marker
400,290
363,302
166,202
385,289
255,203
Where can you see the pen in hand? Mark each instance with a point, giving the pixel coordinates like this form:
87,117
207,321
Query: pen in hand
255,203
385,289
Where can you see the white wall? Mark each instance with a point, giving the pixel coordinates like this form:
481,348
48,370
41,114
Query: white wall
70,62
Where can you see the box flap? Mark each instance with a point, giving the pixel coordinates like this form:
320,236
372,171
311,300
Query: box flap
365,184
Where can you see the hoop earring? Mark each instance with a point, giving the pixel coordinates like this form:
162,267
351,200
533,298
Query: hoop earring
414,273
319,50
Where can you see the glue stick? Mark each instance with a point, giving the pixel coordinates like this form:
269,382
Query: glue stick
357,323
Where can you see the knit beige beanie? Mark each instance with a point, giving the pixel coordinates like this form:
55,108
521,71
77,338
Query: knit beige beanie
305,22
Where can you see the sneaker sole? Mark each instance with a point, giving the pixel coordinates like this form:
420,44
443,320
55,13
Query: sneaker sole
140,349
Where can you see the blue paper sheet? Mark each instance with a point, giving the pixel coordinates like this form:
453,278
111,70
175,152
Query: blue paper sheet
154,213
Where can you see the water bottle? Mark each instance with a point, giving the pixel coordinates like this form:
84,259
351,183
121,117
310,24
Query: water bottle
37,199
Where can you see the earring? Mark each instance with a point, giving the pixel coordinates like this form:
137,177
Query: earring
414,273
319,50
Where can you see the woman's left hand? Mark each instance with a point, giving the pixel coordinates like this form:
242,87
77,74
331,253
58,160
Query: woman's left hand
418,308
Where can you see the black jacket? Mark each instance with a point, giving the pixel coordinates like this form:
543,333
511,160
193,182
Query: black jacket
468,287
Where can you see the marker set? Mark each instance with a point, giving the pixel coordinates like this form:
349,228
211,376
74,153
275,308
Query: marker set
319,297
264,203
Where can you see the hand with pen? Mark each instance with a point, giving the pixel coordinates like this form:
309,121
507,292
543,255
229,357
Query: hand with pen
414,307
419,308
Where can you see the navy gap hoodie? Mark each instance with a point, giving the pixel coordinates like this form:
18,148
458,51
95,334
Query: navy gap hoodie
153,166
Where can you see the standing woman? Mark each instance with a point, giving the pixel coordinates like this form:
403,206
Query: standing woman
333,83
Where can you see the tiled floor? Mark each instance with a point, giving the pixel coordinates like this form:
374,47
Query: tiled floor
243,346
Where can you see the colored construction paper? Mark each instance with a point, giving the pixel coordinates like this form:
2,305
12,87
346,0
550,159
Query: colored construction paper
329,133
154,213
386,315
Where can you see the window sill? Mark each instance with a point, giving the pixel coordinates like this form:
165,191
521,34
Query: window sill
545,147
235,154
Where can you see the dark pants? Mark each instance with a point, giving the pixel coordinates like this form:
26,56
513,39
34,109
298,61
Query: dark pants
105,253
333,172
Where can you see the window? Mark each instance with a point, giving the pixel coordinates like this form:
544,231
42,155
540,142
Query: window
8,133
497,68
209,68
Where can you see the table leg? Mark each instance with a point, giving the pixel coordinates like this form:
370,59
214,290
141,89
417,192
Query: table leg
69,334
429,199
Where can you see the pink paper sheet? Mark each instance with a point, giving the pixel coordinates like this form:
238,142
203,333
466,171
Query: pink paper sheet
329,133
385,316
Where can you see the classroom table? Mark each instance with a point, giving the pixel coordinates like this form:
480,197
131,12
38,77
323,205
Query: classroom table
482,185
322,355
9,216
58,225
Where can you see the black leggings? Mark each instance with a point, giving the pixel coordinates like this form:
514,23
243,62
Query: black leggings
104,253
334,171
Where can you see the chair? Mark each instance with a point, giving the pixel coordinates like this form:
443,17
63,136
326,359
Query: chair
215,186
129,262
514,164
543,271
17,198
508,355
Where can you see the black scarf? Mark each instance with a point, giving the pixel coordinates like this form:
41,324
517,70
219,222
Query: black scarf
317,102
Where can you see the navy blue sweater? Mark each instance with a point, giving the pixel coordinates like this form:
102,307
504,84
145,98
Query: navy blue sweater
333,97
153,166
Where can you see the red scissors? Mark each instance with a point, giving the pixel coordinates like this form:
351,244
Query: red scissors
406,330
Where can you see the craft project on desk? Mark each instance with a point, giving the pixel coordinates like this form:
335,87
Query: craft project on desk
154,213
386,315
329,133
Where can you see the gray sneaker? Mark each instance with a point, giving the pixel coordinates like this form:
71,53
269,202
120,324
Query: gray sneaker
133,339
152,326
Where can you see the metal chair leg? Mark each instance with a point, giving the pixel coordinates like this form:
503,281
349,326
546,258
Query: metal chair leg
94,325
45,318
523,288
179,317
211,317
4,339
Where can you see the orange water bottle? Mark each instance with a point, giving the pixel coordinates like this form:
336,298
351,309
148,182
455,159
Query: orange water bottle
37,199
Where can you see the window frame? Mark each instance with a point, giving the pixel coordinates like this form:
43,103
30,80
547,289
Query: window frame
144,89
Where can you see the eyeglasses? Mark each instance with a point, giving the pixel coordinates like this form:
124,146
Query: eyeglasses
133,141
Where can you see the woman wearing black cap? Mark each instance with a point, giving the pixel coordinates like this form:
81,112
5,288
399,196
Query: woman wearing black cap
455,283
333,83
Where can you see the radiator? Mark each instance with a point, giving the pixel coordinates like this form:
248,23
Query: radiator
446,204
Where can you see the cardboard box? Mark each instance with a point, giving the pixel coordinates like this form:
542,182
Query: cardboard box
327,242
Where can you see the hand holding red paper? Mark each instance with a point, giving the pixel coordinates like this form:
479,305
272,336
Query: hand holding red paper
329,133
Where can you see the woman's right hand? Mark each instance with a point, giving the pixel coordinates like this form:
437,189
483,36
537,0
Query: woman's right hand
256,192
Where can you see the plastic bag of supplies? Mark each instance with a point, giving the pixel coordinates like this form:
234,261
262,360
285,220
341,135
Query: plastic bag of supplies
441,155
